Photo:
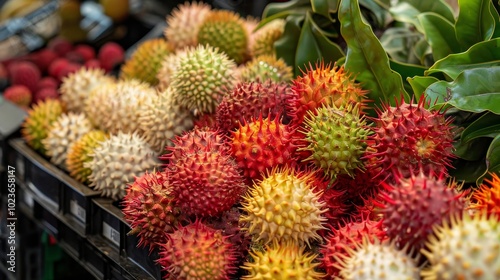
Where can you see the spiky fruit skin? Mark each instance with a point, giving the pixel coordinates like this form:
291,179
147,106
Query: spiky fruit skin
207,182
361,185
407,137
323,84
197,251
375,260
337,207
80,152
66,130
486,199
57,66
43,58
146,60
198,139
284,206
264,38
228,224
201,78
247,101
225,30
116,107
117,161
284,260
162,119
168,66
184,22
47,82
19,95
262,144
76,87
350,236
466,248
336,139
38,122
415,205
263,68
150,210
24,73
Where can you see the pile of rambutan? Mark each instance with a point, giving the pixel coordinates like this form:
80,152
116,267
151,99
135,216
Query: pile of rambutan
234,169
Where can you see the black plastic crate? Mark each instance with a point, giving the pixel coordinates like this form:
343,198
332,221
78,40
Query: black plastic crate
95,261
107,222
48,220
71,240
39,175
142,256
77,200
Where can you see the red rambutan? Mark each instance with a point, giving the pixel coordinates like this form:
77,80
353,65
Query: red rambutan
19,95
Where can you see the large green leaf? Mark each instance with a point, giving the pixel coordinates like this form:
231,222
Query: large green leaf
276,8
496,16
420,83
399,42
483,54
493,155
286,46
408,10
469,171
440,34
325,7
475,90
488,125
378,13
366,58
473,150
475,22
313,45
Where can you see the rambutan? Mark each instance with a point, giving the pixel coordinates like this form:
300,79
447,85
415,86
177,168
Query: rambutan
110,55
412,207
348,236
262,144
45,93
408,137
197,251
24,73
323,84
47,82
60,45
249,100
487,197
207,182
284,206
43,58
87,52
150,210
19,95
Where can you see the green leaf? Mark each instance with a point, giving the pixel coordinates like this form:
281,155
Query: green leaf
286,46
398,42
473,150
377,11
325,7
420,83
275,8
475,90
483,54
474,23
284,14
493,155
407,11
366,58
496,16
440,34
468,171
488,125
313,45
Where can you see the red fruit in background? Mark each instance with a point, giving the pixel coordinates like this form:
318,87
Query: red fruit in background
75,57
45,93
19,95
56,66
86,52
110,55
68,69
47,82
43,58
93,63
24,73
60,45
4,76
